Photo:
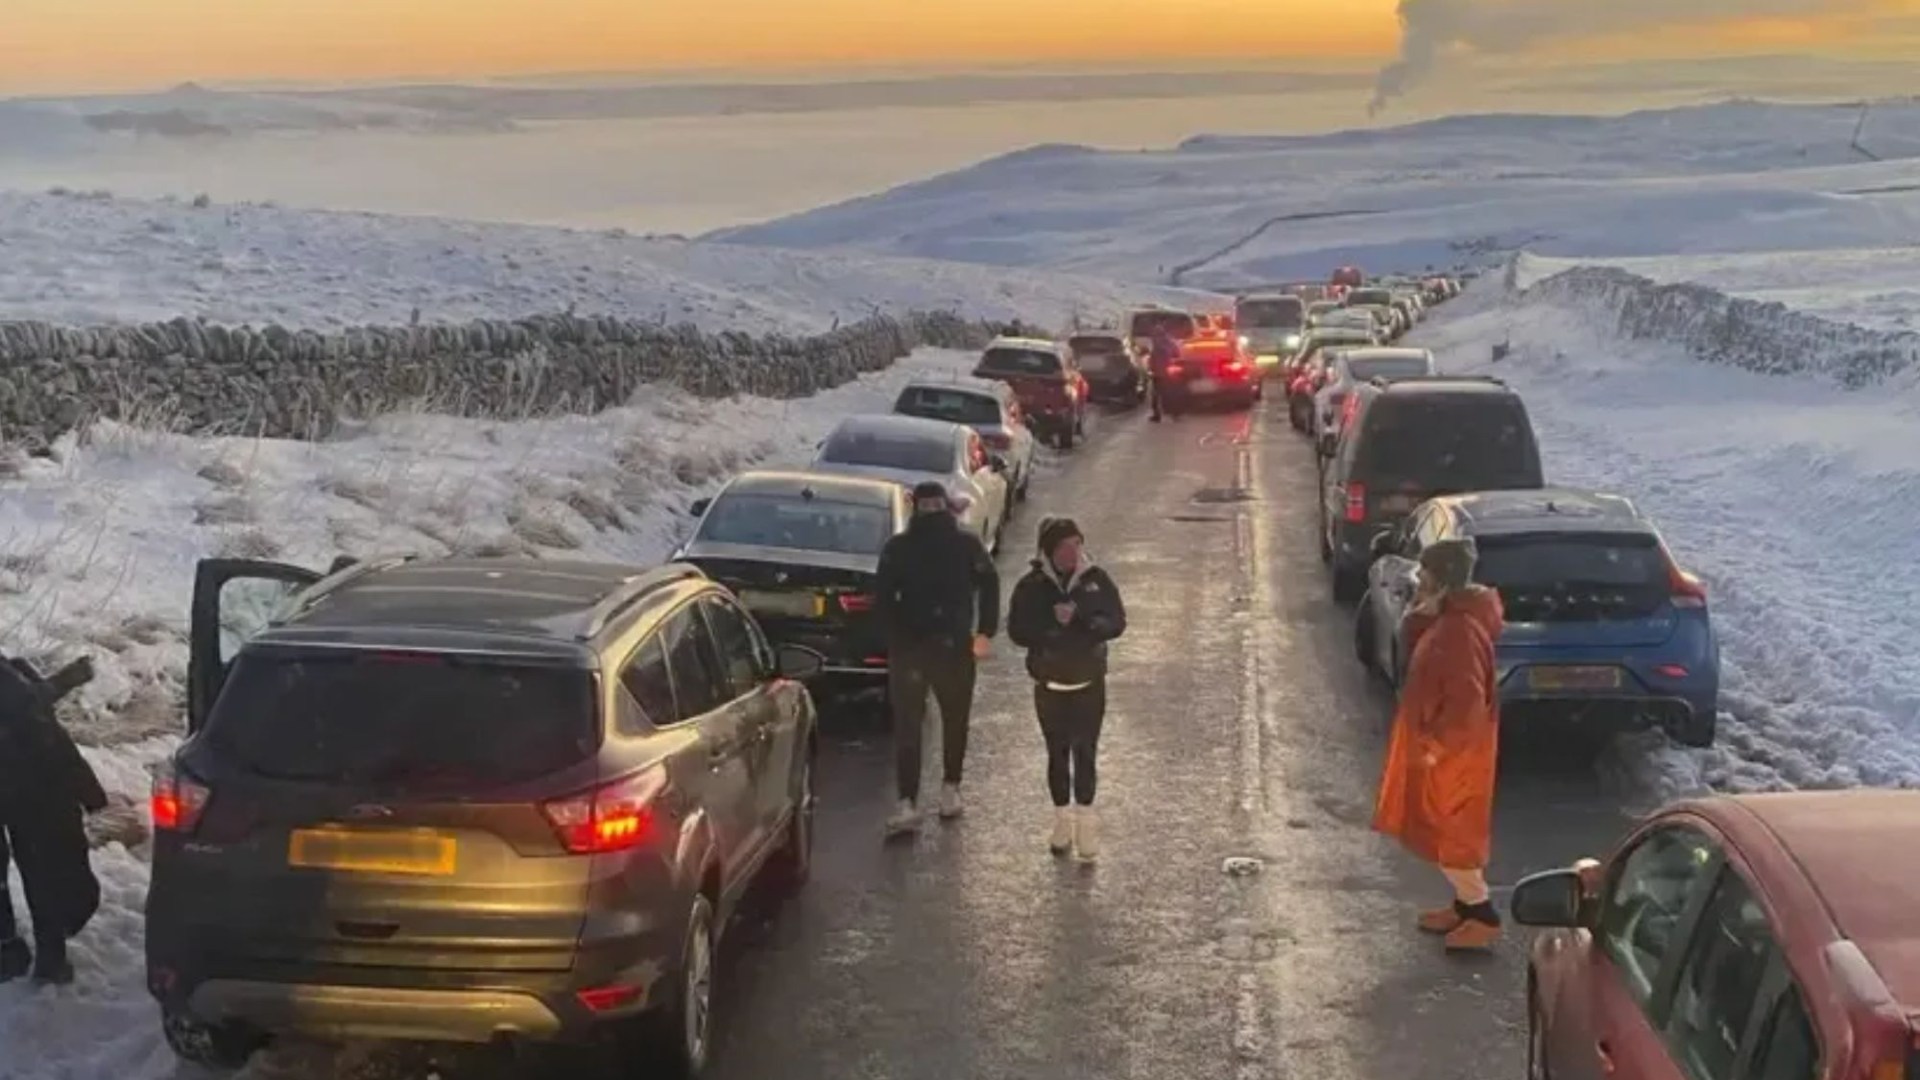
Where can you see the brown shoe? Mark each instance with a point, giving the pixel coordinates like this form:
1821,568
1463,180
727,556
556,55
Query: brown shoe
1440,920
1472,935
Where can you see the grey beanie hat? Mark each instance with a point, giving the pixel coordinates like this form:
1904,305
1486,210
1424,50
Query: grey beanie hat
1450,563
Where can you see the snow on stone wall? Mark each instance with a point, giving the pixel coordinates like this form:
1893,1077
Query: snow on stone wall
196,377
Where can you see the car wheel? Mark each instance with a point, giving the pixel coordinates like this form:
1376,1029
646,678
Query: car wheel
1537,1068
220,1047
1363,643
794,865
1696,731
681,1032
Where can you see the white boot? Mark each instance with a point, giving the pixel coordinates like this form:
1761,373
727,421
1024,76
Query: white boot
1086,834
950,804
1061,840
905,819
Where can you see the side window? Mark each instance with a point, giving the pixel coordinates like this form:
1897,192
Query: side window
1787,1049
650,686
1647,898
699,687
1726,960
742,651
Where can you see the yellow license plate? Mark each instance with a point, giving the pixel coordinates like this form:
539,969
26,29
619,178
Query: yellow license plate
373,851
1574,678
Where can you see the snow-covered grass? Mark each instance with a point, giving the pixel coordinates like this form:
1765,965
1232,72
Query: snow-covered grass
1793,499
1735,177
86,259
97,547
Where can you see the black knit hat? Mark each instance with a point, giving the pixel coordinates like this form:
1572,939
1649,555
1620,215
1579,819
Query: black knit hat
929,491
1055,531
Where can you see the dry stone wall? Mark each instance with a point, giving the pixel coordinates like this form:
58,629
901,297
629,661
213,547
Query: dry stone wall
197,377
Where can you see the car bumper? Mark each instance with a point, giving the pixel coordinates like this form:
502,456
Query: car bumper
1641,701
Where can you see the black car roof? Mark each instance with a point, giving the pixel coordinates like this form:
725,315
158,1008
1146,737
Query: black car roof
832,487
1506,513
464,602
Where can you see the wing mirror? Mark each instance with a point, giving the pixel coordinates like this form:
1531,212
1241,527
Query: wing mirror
798,663
699,507
1558,898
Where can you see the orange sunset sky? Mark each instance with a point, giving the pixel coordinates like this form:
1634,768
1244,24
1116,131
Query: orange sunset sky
75,45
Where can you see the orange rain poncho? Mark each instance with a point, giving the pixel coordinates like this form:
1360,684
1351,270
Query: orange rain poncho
1436,793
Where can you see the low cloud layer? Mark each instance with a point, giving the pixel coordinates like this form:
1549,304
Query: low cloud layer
1431,30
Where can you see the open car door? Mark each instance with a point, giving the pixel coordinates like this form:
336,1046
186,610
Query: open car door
233,599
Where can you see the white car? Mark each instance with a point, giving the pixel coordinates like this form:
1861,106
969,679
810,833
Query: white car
1351,319
910,449
988,407
1348,368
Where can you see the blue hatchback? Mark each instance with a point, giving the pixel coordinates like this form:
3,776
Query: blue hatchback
1603,628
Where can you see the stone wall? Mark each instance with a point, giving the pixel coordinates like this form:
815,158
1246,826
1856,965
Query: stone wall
192,376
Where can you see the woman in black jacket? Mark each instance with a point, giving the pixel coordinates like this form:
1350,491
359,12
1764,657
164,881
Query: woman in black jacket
1063,612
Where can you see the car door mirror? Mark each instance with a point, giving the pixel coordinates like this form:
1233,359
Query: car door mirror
699,507
1555,898
798,662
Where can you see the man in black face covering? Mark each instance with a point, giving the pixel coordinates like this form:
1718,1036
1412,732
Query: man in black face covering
938,603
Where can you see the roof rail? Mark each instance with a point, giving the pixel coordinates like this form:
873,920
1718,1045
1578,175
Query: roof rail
345,575
630,592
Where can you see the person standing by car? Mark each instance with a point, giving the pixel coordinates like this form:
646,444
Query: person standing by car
45,789
1064,612
1436,792
937,602
1165,353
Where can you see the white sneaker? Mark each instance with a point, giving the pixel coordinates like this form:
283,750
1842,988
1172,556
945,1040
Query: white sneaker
1086,835
1061,841
905,819
950,805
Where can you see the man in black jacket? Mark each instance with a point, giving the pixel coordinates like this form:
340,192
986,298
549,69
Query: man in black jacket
938,603
1064,611
45,785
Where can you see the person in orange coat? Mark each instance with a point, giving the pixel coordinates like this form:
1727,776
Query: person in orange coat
1436,793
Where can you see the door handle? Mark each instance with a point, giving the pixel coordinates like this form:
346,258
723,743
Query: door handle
367,931
1604,1053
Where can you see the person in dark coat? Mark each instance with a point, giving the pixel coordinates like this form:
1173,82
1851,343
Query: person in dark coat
46,788
1064,612
937,601
1165,353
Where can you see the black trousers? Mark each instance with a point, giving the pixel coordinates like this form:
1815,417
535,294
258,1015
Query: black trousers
1070,723
1162,392
948,673
54,903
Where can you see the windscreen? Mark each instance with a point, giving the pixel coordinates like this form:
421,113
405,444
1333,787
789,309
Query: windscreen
1019,362
788,521
955,406
1388,367
1366,297
411,723
1178,323
1547,577
1445,444
913,453
1276,314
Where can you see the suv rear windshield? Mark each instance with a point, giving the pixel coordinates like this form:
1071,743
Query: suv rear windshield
1366,297
1555,577
407,723
1178,323
802,524
955,406
1019,362
909,452
1097,345
1440,443
1280,314
1387,367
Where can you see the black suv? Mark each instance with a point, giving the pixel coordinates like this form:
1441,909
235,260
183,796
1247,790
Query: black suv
1406,441
469,800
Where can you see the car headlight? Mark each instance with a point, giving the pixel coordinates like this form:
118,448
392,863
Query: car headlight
1291,341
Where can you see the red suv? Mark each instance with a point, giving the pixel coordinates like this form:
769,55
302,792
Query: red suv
1762,937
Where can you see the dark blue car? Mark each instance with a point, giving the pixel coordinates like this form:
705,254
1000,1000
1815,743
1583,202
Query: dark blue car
1604,630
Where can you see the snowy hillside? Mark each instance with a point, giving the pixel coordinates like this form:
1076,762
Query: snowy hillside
86,259
1737,177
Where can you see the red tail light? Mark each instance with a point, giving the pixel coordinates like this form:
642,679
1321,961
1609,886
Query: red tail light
608,998
1356,503
1175,369
854,603
616,817
178,800
1234,368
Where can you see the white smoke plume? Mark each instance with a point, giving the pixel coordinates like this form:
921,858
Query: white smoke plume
1431,30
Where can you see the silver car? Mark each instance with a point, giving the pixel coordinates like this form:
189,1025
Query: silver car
910,449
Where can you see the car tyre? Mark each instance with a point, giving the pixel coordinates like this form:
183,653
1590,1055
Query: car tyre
219,1047
680,1033
793,866
1363,636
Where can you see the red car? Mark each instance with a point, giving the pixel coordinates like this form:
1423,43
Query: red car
1212,369
1046,380
1761,937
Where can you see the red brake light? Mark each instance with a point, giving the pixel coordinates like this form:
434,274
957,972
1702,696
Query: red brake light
178,800
854,603
1356,503
616,817
1174,369
608,998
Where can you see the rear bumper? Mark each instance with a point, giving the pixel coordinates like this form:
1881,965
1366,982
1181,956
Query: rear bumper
363,1012
1643,700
